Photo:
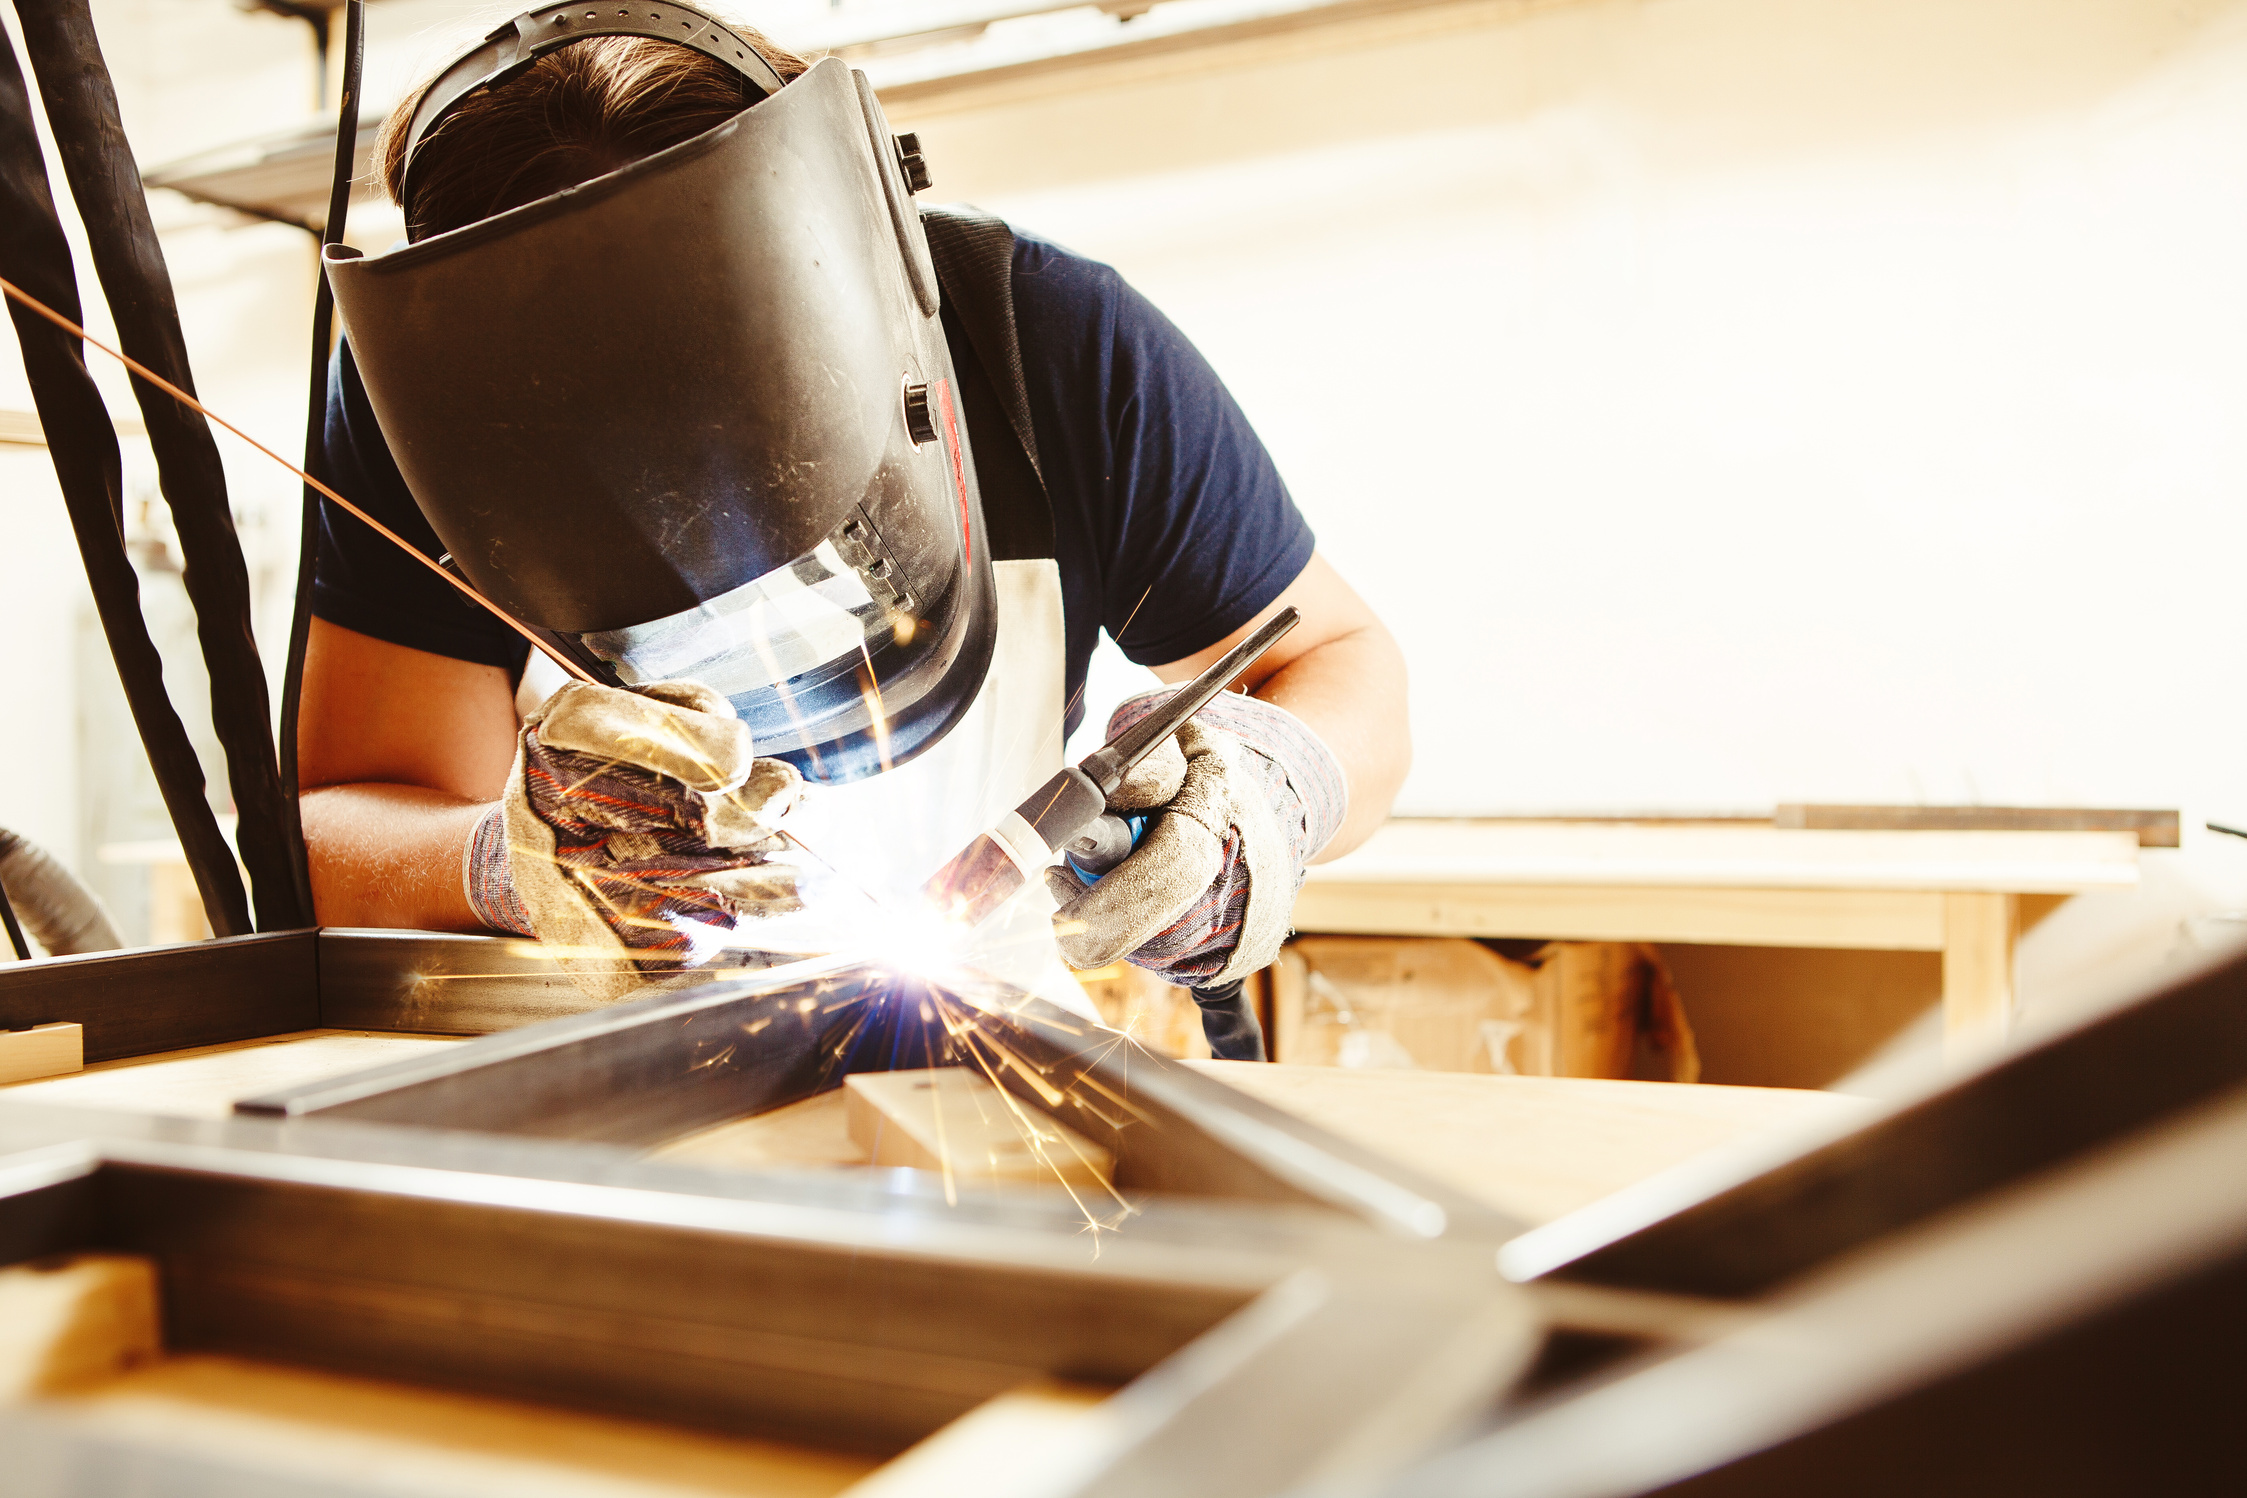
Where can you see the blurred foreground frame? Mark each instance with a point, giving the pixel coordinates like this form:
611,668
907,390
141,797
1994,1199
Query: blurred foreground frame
2033,1276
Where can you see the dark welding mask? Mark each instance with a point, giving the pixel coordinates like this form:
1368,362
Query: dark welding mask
696,418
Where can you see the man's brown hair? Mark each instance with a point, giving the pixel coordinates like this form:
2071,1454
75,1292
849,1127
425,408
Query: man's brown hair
576,113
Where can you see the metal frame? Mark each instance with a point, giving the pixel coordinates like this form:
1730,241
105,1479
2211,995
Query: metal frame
855,1314
2034,1274
655,1068
2032,1278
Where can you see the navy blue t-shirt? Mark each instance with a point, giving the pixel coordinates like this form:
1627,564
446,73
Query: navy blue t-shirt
1171,526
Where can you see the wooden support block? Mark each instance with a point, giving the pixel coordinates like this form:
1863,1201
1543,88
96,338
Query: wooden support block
952,1118
1039,1441
41,1051
1979,934
67,1324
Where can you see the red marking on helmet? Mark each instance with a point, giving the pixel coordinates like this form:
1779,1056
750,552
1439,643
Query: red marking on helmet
959,470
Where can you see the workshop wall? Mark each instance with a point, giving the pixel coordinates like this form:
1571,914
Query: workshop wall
1727,401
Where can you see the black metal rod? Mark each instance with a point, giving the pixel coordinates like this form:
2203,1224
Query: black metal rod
15,932
1113,760
315,447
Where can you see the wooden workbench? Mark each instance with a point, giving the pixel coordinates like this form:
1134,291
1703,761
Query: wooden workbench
1750,884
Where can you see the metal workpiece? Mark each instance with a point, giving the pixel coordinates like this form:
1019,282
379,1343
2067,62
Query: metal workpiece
1746,1226
133,1003
656,1068
2076,1333
649,1069
846,1312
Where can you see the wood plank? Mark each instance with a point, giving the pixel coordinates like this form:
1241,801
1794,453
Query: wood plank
1878,920
951,1119
299,1426
811,1135
1734,856
169,998
2153,829
71,1323
1533,1147
1981,933
41,1051
204,1081
1038,1441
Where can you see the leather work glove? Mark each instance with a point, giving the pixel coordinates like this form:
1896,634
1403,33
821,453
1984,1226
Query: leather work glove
1248,794
633,832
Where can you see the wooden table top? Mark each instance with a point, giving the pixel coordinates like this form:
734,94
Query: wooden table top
1536,1148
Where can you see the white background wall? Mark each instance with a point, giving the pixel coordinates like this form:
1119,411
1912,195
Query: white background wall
1732,401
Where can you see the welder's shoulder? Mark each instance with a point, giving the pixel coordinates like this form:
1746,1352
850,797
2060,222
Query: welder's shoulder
1070,309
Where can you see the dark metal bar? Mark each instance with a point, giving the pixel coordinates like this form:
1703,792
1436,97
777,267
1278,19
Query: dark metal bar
170,998
2023,1112
2076,1334
646,1070
315,425
15,931
432,983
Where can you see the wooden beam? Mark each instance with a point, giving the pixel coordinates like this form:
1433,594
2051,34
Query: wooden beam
67,1325
2153,829
1875,920
42,1051
1980,932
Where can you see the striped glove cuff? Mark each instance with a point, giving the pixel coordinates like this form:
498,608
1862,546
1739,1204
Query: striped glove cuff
490,886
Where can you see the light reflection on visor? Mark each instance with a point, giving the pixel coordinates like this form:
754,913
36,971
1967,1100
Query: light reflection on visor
810,613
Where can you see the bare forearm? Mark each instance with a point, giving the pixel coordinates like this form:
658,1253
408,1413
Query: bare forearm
1351,691
390,855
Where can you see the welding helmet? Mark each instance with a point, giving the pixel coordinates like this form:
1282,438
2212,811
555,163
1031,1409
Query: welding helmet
697,417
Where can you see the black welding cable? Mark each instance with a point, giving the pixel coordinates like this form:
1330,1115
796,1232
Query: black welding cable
82,442
81,105
315,423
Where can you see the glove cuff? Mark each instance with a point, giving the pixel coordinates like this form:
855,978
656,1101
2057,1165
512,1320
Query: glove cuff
1309,792
488,880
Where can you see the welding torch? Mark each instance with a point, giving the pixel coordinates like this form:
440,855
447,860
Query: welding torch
1070,811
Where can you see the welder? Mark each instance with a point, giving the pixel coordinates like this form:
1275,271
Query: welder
830,494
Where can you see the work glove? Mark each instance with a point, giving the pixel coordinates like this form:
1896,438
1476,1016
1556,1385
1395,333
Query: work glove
1244,796
634,833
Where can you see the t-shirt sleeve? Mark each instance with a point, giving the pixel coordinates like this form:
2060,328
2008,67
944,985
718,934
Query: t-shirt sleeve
1192,531
365,583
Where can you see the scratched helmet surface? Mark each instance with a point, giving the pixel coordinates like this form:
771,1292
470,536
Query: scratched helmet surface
697,418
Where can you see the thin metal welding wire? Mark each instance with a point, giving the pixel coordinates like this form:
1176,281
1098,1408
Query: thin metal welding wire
18,294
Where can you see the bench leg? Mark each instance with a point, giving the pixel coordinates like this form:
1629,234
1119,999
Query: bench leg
1979,931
